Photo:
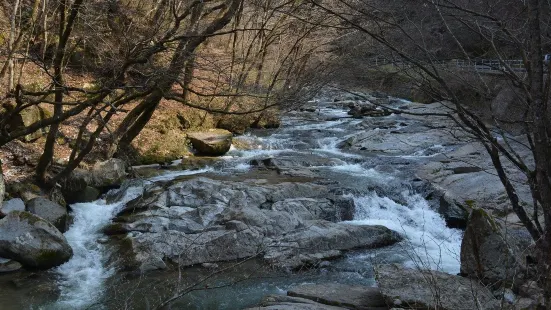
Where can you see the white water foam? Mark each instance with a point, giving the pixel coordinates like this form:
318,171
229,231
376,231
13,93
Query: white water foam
329,145
82,278
429,242
174,174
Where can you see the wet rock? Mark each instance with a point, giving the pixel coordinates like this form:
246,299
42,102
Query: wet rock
345,206
453,213
9,265
412,288
202,220
468,169
108,173
148,251
88,194
50,211
346,296
491,254
215,142
32,241
8,206
321,236
76,181
280,302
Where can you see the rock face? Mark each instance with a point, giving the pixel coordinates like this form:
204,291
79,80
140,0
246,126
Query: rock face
32,241
489,253
346,296
202,220
214,142
50,211
414,289
8,206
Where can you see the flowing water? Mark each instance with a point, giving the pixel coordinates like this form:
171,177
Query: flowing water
378,183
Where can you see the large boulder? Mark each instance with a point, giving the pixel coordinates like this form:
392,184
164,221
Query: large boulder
214,142
427,289
491,254
15,204
50,211
32,241
109,173
84,185
318,238
346,296
201,220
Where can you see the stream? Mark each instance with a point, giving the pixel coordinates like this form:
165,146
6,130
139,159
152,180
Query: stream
381,185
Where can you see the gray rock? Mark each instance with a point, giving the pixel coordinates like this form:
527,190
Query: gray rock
32,241
214,142
15,204
346,296
489,254
9,265
411,288
108,173
454,214
50,211
279,302
88,194
202,220
322,236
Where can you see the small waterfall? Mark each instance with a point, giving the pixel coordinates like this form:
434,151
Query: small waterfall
81,279
429,242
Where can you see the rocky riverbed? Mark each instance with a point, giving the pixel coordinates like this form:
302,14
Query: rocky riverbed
320,200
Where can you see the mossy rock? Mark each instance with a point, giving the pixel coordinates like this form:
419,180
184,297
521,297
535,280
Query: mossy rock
161,148
214,142
27,117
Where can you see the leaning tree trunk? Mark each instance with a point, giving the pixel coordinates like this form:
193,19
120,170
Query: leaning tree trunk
540,130
2,186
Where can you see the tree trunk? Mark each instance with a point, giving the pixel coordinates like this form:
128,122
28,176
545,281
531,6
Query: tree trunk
2,185
11,46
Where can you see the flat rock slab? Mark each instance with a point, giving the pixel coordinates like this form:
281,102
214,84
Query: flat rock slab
347,296
280,302
427,289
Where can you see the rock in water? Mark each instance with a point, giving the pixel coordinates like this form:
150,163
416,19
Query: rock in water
50,211
427,289
214,142
281,302
489,253
346,296
32,241
8,206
